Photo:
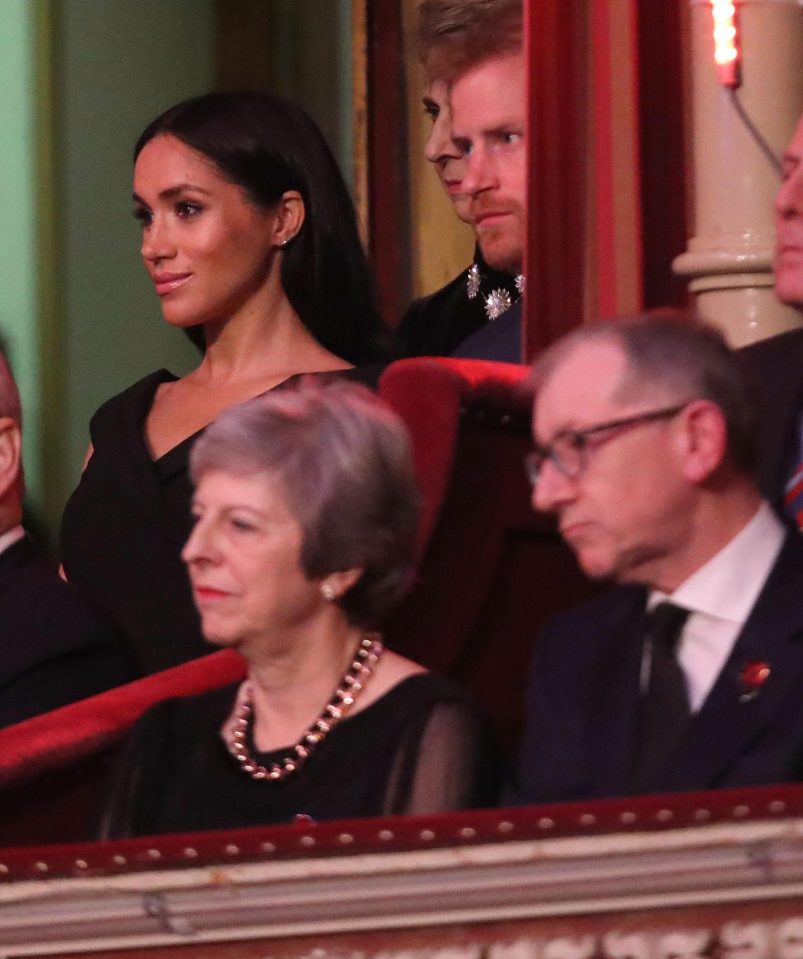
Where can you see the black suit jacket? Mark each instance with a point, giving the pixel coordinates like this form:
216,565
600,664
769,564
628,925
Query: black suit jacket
54,648
447,321
584,690
499,340
775,368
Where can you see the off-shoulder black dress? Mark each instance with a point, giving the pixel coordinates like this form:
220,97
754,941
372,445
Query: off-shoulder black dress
420,748
123,529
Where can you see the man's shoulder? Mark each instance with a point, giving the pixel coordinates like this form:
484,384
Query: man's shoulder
781,348
607,606
787,570
36,601
585,631
499,340
455,287
435,324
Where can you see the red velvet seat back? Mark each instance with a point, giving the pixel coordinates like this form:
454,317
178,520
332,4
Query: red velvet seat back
492,571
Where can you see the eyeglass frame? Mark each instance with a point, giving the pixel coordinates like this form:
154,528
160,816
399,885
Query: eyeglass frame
534,460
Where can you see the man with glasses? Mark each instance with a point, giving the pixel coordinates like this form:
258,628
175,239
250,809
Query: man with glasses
689,673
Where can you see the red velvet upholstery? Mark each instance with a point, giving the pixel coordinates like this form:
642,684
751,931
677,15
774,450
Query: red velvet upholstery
428,393
57,738
491,571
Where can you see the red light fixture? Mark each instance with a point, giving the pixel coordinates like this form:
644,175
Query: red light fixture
726,42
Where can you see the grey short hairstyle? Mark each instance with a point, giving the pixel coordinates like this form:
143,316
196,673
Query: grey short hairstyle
9,394
678,356
455,35
344,462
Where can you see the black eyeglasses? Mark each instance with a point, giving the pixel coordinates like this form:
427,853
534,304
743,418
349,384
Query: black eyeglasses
569,450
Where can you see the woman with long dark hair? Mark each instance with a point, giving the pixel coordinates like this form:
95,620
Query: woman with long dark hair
251,241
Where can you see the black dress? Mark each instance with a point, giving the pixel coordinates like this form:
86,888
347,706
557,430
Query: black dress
125,525
420,748
436,325
123,529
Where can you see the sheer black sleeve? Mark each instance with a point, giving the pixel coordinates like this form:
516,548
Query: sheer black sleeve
451,762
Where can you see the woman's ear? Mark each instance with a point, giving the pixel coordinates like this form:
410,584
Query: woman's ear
336,585
290,214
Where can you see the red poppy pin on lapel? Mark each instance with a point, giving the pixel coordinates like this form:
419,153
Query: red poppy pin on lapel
752,677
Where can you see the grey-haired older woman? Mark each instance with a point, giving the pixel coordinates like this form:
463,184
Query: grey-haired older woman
305,516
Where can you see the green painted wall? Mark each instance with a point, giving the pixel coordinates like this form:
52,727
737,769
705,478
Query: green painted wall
118,64
18,215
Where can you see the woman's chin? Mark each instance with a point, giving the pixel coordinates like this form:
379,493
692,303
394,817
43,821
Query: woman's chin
222,638
180,320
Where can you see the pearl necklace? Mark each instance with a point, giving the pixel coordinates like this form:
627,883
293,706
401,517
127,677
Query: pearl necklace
351,685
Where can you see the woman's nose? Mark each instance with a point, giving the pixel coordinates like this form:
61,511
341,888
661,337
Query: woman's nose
199,545
439,144
157,243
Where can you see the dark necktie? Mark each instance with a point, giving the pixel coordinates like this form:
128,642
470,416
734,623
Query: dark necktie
664,711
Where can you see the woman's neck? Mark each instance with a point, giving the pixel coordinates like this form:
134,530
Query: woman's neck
292,684
264,339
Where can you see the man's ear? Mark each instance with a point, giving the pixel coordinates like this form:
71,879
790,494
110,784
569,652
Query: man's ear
704,435
290,214
10,454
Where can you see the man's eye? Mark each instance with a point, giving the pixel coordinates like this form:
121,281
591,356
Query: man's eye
511,138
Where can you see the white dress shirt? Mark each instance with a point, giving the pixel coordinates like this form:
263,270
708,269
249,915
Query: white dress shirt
721,595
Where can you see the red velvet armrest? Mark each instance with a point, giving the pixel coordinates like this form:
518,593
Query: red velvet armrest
56,739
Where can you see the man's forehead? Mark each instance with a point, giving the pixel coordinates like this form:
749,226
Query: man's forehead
580,388
490,94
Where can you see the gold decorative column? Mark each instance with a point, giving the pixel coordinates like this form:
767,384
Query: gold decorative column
729,258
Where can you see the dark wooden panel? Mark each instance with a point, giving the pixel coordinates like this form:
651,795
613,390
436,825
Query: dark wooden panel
663,152
556,137
388,198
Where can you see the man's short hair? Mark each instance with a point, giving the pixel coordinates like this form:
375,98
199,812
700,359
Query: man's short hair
454,35
9,394
673,358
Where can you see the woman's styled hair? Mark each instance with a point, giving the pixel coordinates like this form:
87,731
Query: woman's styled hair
267,145
344,463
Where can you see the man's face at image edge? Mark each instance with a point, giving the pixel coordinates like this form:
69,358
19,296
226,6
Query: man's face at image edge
488,124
